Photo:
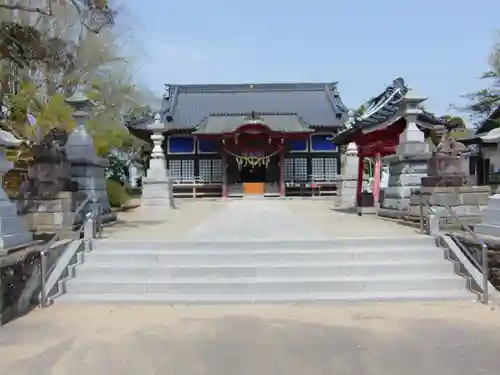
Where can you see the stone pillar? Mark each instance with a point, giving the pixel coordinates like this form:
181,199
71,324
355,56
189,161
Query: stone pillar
157,186
13,233
408,165
87,169
349,176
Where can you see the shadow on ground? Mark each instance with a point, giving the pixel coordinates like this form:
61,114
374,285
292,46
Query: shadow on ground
345,210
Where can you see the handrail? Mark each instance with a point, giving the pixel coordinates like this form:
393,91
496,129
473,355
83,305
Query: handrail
44,250
475,237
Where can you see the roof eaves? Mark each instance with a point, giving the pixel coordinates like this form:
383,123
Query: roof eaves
492,122
430,118
334,99
345,136
383,106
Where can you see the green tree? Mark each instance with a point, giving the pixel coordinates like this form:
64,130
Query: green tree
359,111
484,102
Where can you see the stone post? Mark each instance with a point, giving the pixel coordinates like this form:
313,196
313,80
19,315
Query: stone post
409,164
157,186
13,234
87,169
349,176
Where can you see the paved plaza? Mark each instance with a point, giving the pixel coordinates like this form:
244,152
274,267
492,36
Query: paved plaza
214,219
381,338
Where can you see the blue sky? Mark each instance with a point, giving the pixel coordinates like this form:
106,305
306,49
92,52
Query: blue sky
440,47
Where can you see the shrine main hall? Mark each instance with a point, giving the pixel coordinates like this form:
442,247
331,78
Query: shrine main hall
234,139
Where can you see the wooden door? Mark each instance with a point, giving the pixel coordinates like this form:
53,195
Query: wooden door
254,188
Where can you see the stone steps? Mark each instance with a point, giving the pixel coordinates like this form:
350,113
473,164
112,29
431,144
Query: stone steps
162,298
252,269
265,271
265,285
180,258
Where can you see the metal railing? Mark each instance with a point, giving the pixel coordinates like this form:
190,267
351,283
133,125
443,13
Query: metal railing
45,271
425,228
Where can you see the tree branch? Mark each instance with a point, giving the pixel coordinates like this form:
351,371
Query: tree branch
48,12
19,6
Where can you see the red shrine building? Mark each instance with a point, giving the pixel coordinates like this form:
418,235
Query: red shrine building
265,139
393,127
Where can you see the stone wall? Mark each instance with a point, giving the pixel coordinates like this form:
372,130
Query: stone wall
467,202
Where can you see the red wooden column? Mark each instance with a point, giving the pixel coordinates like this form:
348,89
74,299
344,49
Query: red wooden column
376,179
224,174
282,172
359,184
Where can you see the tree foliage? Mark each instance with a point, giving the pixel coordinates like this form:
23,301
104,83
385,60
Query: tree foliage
359,111
454,122
482,103
46,59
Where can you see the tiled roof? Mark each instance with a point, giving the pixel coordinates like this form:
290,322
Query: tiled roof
318,104
379,110
285,123
384,107
492,122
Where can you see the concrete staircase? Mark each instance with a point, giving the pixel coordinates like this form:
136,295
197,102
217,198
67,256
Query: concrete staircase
265,271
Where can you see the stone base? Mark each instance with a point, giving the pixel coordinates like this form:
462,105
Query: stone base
467,202
405,178
447,181
90,180
366,210
392,214
490,224
157,195
348,192
50,214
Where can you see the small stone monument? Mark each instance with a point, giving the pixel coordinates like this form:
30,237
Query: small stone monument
448,183
87,169
349,176
157,186
12,231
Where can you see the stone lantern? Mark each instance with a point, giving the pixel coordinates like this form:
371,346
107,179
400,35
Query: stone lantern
87,169
157,188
